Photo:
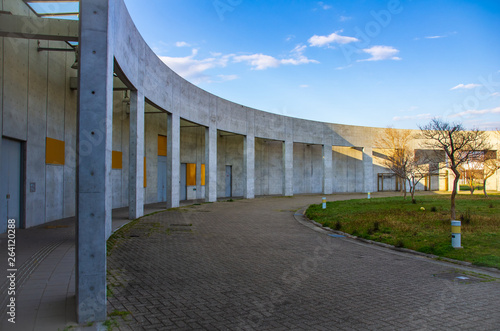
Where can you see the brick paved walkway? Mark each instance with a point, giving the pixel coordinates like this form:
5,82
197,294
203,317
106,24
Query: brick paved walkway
249,265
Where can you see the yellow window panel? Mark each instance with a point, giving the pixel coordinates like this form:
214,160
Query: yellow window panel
202,175
191,174
162,145
116,160
54,151
145,172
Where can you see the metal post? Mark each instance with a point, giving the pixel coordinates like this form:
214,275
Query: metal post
456,231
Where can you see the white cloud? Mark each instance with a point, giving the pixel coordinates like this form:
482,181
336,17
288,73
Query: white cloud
345,67
258,61
495,94
409,110
437,36
380,53
193,69
324,6
320,41
226,78
474,112
298,57
345,18
484,125
465,86
304,86
182,44
261,61
414,117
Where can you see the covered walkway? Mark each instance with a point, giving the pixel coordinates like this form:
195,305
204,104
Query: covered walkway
249,264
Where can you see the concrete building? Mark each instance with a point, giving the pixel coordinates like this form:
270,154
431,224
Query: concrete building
123,129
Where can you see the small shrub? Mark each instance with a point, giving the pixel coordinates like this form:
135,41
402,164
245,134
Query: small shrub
338,226
400,244
414,201
490,205
433,209
466,217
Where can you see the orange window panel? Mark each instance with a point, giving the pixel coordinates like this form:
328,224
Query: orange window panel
54,151
116,160
162,145
191,174
202,175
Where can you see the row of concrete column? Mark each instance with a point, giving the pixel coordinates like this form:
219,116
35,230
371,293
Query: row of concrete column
136,196
95,117
94,212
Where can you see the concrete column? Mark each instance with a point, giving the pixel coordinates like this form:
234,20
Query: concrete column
199,147
211,163
368,169
136,156
173,160
249,166
497,179
288,168
95,124
327,169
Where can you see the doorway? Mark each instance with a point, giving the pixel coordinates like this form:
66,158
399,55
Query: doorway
162,178
11,169
229,181
183,182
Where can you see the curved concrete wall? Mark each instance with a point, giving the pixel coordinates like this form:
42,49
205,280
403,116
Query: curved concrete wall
267,153
170,92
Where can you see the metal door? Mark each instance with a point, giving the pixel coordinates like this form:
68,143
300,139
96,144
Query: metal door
229,180
10,183
162,178
183,182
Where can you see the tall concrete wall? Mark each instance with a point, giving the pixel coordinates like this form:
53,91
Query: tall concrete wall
230,153
347,169
37,102
307,168
268,167
193,151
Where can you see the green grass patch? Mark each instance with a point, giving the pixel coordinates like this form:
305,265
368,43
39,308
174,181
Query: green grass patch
424,226
467,187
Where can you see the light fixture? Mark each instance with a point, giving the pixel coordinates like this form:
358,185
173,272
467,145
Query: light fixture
126,98
75,64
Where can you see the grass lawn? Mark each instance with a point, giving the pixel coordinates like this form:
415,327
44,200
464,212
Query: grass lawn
399,222
466,188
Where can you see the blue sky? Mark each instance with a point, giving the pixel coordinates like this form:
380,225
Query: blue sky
370,63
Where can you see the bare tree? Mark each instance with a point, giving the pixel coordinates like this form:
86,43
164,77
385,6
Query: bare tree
401,159
491,163
457,143
417,169
472,169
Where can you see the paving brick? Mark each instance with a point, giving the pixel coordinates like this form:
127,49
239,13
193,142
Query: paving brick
248,265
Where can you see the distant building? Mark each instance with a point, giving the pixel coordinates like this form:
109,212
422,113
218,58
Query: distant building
92,120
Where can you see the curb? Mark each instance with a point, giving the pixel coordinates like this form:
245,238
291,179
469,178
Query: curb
306,221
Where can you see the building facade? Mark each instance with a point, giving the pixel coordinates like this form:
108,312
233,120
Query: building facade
112,126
